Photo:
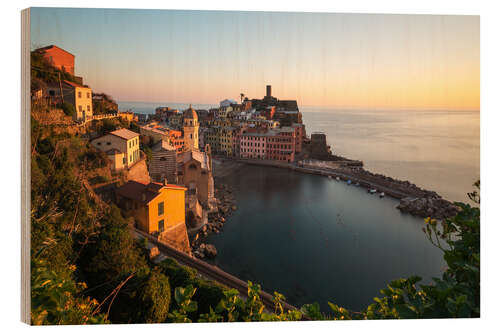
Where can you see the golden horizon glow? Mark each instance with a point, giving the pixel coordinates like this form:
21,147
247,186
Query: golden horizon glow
367,61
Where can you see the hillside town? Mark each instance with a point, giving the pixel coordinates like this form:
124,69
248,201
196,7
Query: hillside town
161,165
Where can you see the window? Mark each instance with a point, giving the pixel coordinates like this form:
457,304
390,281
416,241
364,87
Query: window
88,95
130,158
88,108
161,225
161,207
98,143
79,94
80,108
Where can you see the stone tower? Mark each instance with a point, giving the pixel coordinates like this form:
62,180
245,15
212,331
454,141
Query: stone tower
191,128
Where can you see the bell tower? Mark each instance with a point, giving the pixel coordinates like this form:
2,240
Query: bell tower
191,128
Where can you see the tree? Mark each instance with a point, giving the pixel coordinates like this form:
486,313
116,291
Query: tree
155,298
68,109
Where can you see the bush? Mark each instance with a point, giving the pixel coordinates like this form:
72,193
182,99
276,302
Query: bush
68,109
179,276
155,298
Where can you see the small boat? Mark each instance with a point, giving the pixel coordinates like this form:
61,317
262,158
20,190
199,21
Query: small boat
338,178
330,177
382,195
349,182
357,184
373,191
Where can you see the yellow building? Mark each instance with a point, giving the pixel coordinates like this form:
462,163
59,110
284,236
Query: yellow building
226,140
121,146
76,94
156,207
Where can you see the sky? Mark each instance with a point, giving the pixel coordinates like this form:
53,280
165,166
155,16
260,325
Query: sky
360,61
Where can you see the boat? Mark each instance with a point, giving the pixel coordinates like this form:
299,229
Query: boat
349,182
382,195
373,191
357,184
338,178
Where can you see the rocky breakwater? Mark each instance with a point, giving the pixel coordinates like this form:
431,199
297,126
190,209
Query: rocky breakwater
413,199
226,206
430,206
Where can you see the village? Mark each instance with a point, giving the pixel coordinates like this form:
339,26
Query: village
162,164
162,170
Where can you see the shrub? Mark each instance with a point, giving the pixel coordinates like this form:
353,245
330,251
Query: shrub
68,109
155,298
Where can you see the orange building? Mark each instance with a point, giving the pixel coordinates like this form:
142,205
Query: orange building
156,207
58,58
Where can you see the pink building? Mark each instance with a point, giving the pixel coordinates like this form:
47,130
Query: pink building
276,144
253,145
281,144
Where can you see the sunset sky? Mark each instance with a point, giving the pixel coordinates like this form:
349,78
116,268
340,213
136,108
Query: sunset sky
367,61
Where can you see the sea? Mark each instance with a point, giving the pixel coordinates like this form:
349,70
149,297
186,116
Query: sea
437,150
314,239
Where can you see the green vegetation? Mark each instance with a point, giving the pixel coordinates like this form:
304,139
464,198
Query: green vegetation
102,104
68,109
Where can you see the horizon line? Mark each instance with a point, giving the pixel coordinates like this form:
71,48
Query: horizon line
339,108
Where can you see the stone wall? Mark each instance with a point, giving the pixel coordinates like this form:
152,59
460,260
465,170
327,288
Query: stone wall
176,237
138,172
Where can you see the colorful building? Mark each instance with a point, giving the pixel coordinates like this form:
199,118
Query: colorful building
253,145
280,145
121,146
159,133
75,94
163,164
59,58
158,209
195,172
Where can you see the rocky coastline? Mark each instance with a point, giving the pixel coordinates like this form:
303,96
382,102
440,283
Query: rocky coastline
226,205
413,200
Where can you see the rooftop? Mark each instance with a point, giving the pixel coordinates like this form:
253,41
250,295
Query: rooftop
163,145
124,134
144,192
45,48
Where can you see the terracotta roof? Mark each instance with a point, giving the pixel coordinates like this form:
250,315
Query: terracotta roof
124,134
51,47
73,84
143,192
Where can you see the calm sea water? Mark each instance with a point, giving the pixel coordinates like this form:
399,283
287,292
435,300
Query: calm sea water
437,150
315,239
319,240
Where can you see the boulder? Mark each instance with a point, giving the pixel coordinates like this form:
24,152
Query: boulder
210,251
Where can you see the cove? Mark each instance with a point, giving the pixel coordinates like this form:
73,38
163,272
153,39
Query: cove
314,239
